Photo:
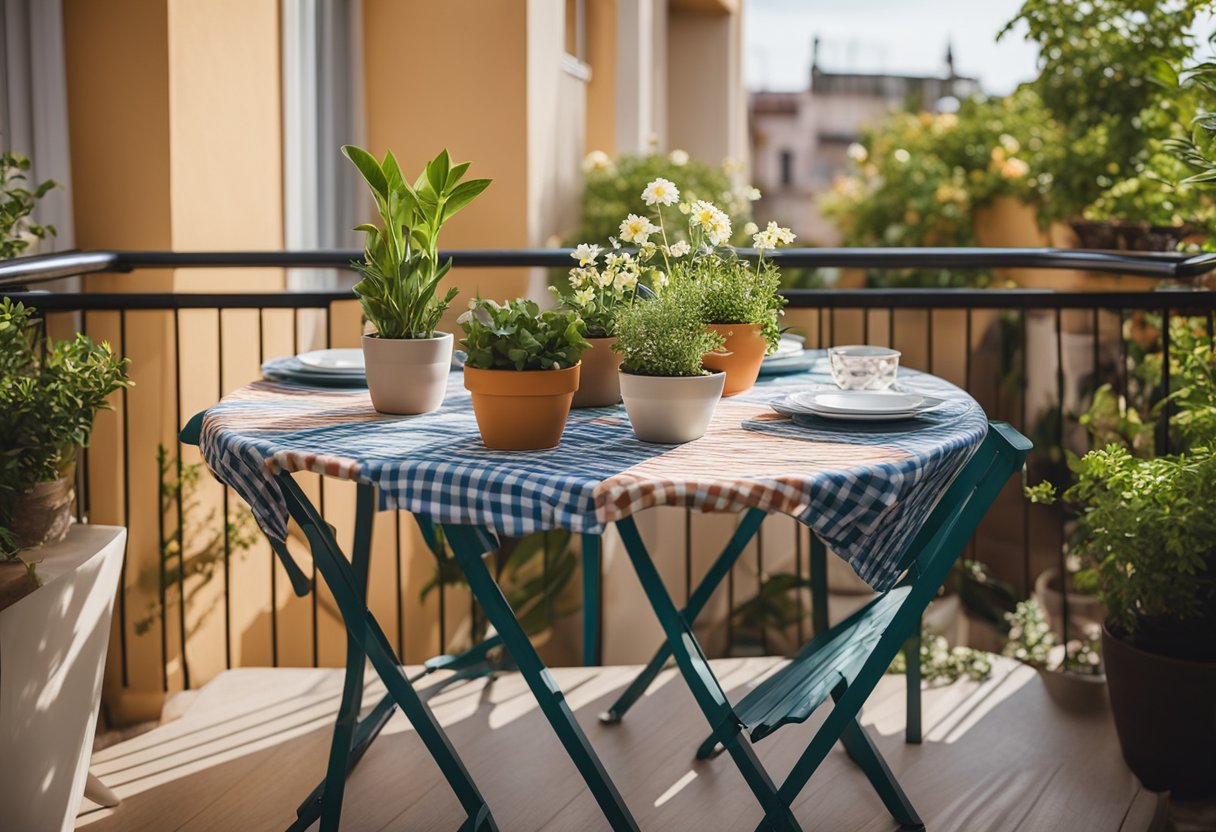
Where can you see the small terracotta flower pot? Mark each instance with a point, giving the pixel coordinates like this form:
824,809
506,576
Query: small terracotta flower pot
521,410
740,357
407,375
599,382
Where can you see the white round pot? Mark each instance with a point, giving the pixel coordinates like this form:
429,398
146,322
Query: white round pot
671,409
407,375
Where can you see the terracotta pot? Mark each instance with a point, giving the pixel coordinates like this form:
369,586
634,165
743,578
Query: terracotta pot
740,357
407,375
1165,715
521,411
44,514
598,382
669,409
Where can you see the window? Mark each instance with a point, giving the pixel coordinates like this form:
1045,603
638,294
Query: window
576,29
787,168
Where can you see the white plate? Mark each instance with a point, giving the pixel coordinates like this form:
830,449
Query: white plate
788,346
865,402
348,360
863,417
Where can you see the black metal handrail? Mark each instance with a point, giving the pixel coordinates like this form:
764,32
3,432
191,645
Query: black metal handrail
26,271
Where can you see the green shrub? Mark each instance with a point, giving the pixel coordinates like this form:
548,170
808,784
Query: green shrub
518,336
664,336
17,203
400,270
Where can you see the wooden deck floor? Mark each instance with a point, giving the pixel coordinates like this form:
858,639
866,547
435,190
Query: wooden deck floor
997,756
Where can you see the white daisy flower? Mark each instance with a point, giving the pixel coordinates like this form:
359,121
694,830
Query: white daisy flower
636,229
679,249
586,254
597,160
679,158
661,192
626,281
753,194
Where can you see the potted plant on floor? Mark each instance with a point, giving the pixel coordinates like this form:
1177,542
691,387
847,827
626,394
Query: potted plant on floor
49,393
522,369
407,360
736,299
1071,673
668,394
595,294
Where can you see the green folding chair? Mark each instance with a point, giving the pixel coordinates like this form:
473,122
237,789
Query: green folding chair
844,662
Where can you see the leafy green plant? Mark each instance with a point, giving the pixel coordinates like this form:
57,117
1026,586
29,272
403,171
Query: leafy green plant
1032,642
518,336
400,270
192,552
596,292
17,203
1100,64
939,662
49,393
612,190
730,290
666,335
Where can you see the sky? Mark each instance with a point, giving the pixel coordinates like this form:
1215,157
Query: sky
901,36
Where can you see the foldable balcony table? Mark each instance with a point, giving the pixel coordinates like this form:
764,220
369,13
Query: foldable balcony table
871,492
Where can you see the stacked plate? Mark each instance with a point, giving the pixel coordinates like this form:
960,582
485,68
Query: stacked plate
856,405
319,368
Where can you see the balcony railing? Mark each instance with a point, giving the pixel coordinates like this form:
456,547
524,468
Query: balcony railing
1031,356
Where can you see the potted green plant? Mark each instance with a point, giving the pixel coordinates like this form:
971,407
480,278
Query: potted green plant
522,370
49,393
736,300
407,360
596,291
1072,673
17,203
668,394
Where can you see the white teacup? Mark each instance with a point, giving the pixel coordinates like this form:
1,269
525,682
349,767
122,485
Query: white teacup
861,367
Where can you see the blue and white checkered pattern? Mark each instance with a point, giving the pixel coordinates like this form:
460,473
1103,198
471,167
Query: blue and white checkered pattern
436,464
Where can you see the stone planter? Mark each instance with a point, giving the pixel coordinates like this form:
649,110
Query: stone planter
406,376
521,410
599,383
740,357
668,409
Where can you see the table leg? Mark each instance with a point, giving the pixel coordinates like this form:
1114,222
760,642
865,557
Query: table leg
469,544
592,598
696,602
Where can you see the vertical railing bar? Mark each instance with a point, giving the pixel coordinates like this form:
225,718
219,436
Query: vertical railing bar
730,608
798,574
891,327
274,561
400,589
832,327
1062,564
687,554
929,337
865,326
544,576
1097,352
967,387
819,328
1123,370
440,554
1024,406
181,519
82,470
126,504
760,584
1165,379
224,517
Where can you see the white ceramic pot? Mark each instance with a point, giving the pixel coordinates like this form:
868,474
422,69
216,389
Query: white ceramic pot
407,375
670,409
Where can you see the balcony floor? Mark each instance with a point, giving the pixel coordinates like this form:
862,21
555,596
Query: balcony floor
997,755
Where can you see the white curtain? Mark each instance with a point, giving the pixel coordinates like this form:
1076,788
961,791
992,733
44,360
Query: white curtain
33,105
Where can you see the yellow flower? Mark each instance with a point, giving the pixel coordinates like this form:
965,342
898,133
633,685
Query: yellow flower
636,229
998,155
857,152
902,156
1014,168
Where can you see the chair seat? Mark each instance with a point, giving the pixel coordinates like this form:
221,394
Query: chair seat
793,693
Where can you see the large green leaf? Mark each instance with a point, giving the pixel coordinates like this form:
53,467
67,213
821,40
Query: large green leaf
462,195
368,167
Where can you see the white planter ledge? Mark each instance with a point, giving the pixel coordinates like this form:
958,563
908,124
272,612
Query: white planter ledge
52,657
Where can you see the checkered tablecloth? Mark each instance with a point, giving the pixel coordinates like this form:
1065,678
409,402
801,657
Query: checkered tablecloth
865,489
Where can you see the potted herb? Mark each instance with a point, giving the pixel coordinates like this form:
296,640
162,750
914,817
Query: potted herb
407,360
1072,673
668,394
49,393
522,369
735,299
596,292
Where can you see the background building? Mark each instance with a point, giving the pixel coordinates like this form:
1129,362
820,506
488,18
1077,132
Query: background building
799,140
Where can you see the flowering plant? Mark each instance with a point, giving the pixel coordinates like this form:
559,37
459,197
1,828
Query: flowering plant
598,290
518,336
664,336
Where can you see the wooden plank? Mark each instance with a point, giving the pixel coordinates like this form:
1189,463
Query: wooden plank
997,755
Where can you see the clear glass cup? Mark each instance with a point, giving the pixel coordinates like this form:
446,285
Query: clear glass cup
861,367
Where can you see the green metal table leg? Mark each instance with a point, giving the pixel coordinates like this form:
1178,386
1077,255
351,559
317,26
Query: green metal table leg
819,586
469,544
592,599
701,681
696,602
912,718
360,624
